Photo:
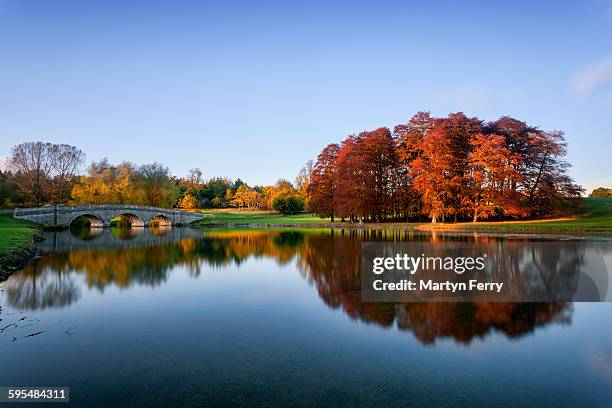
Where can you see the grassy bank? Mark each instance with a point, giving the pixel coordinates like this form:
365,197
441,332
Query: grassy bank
17,243
236,217
597,217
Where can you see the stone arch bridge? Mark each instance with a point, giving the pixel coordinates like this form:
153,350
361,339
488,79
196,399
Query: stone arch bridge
101,215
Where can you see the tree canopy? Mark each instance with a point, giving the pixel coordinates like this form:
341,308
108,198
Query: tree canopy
445,168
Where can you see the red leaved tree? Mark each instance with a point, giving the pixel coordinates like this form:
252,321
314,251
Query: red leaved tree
321,188
490,177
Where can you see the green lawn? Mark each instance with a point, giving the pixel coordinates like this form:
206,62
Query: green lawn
244,218
17,243
597,218
15,234
598,214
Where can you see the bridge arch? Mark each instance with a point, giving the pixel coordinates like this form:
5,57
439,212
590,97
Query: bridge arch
160,220
134,220
93,220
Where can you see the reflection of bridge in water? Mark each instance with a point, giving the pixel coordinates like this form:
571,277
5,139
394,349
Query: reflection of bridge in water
103,239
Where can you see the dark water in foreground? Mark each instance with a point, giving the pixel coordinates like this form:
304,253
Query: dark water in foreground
186,318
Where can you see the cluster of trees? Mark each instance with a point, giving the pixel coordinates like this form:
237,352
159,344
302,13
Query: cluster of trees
221,193
152,184
43,173
39,172
444,168
126,183
601,192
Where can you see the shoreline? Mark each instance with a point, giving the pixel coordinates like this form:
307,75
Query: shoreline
17,258
595,219
501,227
18,244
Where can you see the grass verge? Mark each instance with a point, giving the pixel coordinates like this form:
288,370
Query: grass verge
597,218
17,243
262,218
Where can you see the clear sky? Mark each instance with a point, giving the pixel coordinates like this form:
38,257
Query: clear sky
254,89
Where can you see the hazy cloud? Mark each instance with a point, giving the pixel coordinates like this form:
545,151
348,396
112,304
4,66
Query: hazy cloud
594,76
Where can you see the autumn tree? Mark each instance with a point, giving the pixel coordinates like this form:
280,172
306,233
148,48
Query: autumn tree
551,191
408,139
409,136
321,188
490,176
106,183
439,171
379,166
246,197
188,201
545,184
348,186
601,192
433,175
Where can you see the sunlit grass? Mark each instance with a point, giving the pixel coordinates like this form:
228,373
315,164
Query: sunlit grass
597,217
259,217
15,233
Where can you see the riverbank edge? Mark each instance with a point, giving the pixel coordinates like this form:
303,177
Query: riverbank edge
510,227
15,258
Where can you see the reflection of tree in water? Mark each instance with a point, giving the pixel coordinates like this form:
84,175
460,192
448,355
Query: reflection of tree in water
150,265
144,266
331,263
548,272
39,287
328,260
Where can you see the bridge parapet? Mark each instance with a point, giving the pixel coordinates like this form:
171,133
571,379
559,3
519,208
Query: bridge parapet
102,215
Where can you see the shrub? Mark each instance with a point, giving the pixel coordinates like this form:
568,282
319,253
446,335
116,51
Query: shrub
188,201
288,205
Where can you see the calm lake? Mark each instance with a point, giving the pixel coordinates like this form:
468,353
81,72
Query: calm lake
185,317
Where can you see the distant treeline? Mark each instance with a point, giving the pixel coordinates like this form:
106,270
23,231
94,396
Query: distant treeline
453,168
43,173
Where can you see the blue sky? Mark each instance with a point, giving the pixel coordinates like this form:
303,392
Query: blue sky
254,89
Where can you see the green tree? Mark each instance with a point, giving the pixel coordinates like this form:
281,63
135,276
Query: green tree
287,205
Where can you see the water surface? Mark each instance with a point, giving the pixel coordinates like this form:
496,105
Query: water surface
274,317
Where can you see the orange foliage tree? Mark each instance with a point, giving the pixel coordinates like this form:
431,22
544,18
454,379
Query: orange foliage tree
455,167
